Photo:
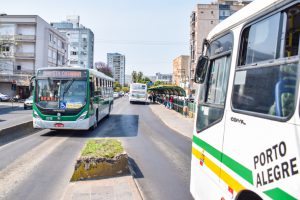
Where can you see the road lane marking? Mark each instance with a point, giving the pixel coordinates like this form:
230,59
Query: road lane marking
15,173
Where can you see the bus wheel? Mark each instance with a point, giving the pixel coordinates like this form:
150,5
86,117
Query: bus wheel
109,109
248,195
95,122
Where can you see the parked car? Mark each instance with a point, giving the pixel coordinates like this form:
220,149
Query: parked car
28,102
116,94
4,97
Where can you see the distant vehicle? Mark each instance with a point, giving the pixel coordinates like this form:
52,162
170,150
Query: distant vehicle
246,138
4,97
28,102
138,93
116,94
71,98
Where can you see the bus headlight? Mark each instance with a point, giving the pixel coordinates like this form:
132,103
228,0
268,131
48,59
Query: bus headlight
36,115
82,116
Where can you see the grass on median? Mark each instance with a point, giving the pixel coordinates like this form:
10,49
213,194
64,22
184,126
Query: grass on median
105,148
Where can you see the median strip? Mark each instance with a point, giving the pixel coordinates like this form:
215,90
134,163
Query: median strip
101,158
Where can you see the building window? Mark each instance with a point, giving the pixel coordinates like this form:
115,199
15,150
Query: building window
19,67
211,22
50,37
5,48
49,53
212,12
73,53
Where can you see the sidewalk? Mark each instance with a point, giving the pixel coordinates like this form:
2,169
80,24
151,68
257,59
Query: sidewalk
115,188
174,120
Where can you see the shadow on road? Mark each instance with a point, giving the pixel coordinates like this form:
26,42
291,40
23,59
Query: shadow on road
134,169
119,126
112,126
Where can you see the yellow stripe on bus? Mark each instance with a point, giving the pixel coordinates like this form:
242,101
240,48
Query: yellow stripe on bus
229,180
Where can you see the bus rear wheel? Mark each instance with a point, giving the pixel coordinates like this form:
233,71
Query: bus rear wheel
95,122
248,195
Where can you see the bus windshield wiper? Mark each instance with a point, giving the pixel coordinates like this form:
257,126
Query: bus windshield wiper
66,89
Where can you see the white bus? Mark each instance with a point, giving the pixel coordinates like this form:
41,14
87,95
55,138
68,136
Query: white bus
246,139
138,93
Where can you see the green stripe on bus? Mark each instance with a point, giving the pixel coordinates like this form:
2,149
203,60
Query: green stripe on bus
241,170
277,194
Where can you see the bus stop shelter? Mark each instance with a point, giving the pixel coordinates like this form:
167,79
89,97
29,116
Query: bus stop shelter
168,90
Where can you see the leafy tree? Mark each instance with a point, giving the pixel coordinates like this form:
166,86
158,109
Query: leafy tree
125,89
117,85
157,83
139,77
134,77
102,67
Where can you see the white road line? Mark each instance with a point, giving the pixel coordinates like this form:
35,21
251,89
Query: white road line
15,173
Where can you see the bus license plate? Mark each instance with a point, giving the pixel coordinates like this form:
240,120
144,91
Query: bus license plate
59,125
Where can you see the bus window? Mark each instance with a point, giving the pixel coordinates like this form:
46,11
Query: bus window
260,41
212,109
268,88
292,17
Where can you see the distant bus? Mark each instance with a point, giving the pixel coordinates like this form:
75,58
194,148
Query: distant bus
138,93
246,138
71,98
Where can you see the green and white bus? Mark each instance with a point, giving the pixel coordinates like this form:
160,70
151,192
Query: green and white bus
71,98
246,139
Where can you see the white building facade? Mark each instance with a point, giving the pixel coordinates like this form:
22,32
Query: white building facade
81,42
116,62
27,43
165,78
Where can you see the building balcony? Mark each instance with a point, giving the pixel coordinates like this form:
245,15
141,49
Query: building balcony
21,78
6,55
23,55
25,38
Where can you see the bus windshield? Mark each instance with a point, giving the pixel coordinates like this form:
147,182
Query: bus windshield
61,94
138,87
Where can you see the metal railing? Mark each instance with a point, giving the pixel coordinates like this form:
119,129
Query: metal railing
178,105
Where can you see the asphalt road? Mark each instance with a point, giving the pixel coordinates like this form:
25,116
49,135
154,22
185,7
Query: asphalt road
39,166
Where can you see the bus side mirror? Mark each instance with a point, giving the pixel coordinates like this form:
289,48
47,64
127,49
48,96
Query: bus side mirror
201,69
31,83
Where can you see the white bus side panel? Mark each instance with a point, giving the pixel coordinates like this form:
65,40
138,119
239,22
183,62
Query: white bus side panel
267,148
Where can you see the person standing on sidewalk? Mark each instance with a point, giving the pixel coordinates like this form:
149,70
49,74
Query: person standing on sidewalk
171,101
185,107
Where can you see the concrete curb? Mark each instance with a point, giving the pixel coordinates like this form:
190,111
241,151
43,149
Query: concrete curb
137,185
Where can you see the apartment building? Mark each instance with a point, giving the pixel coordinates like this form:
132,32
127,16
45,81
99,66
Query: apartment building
165,78
116,62
203,19
81,41
180,70
27,43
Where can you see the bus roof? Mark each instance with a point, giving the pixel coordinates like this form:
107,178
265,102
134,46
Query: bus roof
92,71
244,14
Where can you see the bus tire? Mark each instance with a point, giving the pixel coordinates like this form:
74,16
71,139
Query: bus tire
109,109
247,195
95,122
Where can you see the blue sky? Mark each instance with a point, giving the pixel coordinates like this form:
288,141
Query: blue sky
149,33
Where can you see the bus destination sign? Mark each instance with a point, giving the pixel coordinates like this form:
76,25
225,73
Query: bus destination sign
62,74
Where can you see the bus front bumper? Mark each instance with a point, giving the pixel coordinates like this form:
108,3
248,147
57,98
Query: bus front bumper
62,125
